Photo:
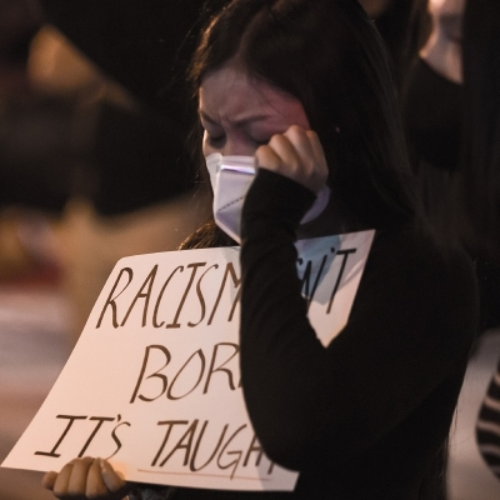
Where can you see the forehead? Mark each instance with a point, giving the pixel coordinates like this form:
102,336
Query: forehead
231,94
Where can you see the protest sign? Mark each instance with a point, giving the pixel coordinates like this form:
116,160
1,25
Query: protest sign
153,383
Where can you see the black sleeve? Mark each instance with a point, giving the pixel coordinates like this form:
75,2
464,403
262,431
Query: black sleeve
411,323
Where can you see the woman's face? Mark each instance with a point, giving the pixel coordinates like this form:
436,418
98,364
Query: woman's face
239,114
443,50
448,16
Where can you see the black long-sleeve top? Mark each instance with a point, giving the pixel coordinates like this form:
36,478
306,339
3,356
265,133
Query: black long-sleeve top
366,417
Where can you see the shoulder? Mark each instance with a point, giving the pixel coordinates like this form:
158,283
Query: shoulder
415,254
416,280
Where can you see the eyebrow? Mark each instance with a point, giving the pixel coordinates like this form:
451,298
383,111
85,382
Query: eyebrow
207,117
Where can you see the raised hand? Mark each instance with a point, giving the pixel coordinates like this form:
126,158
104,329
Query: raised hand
296,154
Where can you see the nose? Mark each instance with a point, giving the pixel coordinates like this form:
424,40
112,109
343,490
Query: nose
235,146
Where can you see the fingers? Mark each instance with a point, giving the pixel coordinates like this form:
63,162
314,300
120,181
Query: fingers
49,480
86,478
77,483
317,150
301,143
95,486
60,488
267,158
296,154
113,481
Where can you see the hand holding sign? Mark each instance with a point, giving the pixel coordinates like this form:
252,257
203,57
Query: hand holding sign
84,478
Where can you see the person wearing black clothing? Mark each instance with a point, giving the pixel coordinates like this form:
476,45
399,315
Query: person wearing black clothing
351,409
451,111
304,86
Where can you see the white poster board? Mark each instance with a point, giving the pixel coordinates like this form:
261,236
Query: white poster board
153,383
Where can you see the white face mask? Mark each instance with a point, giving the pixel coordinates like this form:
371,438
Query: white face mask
231,177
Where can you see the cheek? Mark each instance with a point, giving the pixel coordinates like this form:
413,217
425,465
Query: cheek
240,148
205,146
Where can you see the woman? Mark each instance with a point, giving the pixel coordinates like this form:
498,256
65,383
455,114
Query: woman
453,117
452,114
368,416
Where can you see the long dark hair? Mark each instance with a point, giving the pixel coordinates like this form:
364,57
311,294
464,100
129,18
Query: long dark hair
405,26
329,55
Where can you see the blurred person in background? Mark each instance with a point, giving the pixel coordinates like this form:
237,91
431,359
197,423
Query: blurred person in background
452,114
451,106
24,235
131,192
114,168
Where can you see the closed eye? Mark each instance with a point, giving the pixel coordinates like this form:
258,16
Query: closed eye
215,141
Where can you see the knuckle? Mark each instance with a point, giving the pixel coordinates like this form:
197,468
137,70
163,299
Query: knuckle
295,134
276,138
311,134
262,149
296,130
